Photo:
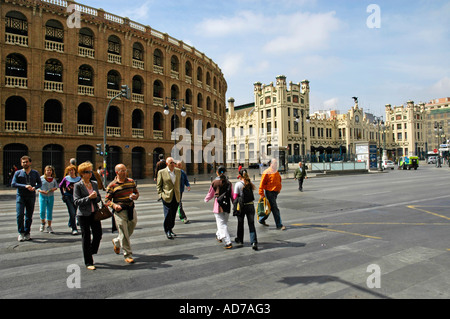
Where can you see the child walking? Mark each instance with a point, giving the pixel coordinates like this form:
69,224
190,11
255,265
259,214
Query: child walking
47,197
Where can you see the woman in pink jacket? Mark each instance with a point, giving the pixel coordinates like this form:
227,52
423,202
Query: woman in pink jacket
222,192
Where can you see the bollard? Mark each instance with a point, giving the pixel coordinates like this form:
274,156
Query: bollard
195,180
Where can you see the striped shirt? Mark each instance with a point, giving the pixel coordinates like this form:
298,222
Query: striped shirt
119,193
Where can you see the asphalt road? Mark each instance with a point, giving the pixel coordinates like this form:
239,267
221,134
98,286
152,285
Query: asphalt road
369,236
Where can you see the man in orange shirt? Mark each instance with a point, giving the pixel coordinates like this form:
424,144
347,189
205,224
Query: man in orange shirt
270,187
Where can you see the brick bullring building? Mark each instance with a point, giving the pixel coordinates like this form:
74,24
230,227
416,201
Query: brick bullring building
58,75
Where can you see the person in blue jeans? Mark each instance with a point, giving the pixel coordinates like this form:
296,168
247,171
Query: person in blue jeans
66,187
26,181
47,197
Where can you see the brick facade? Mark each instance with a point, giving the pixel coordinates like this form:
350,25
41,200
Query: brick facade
142,131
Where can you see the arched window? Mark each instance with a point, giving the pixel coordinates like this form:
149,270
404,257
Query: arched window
158,58
138,51
158,89
85,75
16,23
113,119
188,68
188,97
84,114
208,78
174,92
52,111
208,103
54,31
158,122
86,38
199,100
138,85
16,65
53,71
15,109
114,45
174,64
199,74
113,80
137,117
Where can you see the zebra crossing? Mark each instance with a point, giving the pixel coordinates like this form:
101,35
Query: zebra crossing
302,262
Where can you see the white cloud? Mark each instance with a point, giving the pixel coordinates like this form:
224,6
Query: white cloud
278,33
243,22
138,13
302,32
231,64
331,103
441,88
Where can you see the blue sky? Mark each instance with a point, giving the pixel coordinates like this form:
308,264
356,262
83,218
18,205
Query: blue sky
327,42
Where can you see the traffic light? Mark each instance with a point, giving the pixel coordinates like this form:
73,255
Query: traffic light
126,92
106,149
98,148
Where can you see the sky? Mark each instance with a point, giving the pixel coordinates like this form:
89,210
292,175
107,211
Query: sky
383,52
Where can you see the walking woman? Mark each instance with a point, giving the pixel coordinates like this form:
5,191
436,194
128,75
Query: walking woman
86,197
66,187
221,190
244,192
47,197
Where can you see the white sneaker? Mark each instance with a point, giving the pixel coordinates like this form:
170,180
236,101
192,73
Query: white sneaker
42,228
74,232
27,237
50,230
21,237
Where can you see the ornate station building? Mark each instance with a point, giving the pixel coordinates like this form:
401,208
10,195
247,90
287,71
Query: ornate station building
280,115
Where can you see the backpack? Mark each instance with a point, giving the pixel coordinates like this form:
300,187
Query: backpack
247,195
224,199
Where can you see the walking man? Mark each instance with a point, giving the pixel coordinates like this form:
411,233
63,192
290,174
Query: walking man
26,181
270,187
168,187
300,175
184,183
120,195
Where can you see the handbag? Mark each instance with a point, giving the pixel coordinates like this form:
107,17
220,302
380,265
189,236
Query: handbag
102,213
263,208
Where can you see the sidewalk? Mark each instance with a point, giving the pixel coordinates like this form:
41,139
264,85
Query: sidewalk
196,179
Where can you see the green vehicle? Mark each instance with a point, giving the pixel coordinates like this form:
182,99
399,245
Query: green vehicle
408,162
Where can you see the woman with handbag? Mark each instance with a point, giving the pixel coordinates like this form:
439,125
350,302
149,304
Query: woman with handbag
86,197
244,193
222,192
66,187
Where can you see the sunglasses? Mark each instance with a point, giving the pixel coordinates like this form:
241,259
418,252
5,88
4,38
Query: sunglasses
87,172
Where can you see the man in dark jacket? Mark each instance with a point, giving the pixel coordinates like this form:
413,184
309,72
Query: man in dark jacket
300,175
26,181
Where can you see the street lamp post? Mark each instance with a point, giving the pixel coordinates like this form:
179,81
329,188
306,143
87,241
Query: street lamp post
438,130
378,121
297,119
126,93
175,103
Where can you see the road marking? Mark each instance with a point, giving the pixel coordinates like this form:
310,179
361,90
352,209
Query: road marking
428,212
366,223
348,233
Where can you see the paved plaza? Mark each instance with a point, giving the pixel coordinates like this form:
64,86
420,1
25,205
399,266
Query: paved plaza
366,236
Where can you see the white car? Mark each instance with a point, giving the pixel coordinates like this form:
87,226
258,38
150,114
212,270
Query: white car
431,160
388,164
